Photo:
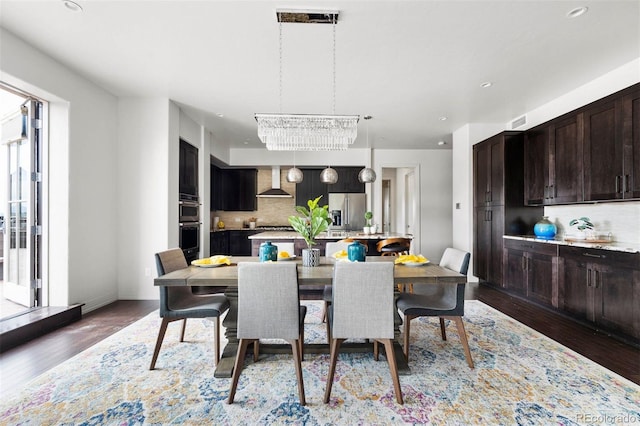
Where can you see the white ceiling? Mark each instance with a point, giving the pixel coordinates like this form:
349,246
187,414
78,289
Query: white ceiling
406,63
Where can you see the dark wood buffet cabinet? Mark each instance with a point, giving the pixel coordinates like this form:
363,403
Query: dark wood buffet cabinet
597,286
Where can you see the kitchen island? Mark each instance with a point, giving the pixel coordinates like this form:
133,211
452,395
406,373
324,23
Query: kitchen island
321,240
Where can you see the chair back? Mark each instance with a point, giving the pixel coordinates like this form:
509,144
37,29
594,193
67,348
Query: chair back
456,260
334,247
394,246
363,304
268,301
171,297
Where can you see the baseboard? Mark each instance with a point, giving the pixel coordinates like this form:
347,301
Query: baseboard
22,328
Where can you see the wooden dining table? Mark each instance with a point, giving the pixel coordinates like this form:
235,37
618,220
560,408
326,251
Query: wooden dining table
227,276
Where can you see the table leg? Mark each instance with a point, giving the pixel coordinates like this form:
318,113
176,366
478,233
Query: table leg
224,369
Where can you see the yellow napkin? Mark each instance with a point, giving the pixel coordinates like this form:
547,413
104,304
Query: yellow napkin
342,254
213,260
410,258
283,254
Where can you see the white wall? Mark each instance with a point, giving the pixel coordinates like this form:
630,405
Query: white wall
433,174
82,144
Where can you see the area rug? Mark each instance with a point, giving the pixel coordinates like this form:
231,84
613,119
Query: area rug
520,377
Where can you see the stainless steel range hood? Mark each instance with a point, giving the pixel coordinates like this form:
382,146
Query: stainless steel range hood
275,191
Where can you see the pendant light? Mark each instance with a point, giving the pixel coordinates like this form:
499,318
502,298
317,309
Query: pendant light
329,176
294,174
367,175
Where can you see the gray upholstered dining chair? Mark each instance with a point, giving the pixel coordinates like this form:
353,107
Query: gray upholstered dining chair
445,301
269,308
363,308
179,303
330,249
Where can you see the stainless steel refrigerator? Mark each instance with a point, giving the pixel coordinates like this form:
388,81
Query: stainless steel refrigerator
347,211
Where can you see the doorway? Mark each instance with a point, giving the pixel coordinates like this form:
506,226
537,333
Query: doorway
21,185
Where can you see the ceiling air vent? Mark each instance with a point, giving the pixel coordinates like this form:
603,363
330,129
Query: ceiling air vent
519,122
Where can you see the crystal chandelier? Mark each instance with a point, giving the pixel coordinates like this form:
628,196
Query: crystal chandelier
307,132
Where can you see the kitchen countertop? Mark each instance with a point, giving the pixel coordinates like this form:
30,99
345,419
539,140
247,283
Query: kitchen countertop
613,245
292,235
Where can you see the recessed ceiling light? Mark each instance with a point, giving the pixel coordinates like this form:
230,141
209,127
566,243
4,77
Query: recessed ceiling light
486,84
578,11
72,5
219,114
442,143
443,118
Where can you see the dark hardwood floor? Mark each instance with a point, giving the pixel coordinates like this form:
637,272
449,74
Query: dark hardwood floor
22,363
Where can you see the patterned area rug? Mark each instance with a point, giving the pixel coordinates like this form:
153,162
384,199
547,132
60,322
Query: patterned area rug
521,377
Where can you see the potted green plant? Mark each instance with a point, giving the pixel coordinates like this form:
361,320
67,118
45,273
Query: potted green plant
582,225
367,228
313,220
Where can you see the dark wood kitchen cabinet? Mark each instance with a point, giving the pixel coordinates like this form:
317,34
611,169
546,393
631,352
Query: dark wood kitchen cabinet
310,188
233,189
498,164
347,180
239,242
601,287
631,143
219,243
188,171
553,169
531,270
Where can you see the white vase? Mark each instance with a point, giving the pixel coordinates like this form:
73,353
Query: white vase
366,229
310,257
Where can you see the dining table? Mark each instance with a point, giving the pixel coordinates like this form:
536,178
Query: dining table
226,276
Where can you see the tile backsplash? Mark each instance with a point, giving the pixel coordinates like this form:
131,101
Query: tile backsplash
621,219
271,211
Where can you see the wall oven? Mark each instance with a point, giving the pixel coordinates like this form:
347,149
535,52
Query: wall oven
188,211
190,240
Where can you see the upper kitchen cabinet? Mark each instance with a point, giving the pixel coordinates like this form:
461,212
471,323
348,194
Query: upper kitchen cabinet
188,171
489,168
631,143
553,170
347,180
311,188
233,189
604,177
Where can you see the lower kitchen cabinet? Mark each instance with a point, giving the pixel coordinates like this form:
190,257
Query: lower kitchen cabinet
239,242
602,287
219,243
531,270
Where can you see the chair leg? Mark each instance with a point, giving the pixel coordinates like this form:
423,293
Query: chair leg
375,350
184,328
407,333
256,350
161,333
335,347
237,369
297,359
301,343
463,338
443,330
216,338
328,330
324,311
393,367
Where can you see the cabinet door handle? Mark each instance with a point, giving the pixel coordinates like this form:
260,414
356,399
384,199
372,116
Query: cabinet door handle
588,277
552,191
618,184
490,215
597,278
546,192
599,256
627,183
522,264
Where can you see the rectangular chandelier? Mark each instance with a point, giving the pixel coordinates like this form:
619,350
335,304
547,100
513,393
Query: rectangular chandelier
307,132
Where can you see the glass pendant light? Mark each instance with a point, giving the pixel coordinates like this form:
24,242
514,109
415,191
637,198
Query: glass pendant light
367,175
